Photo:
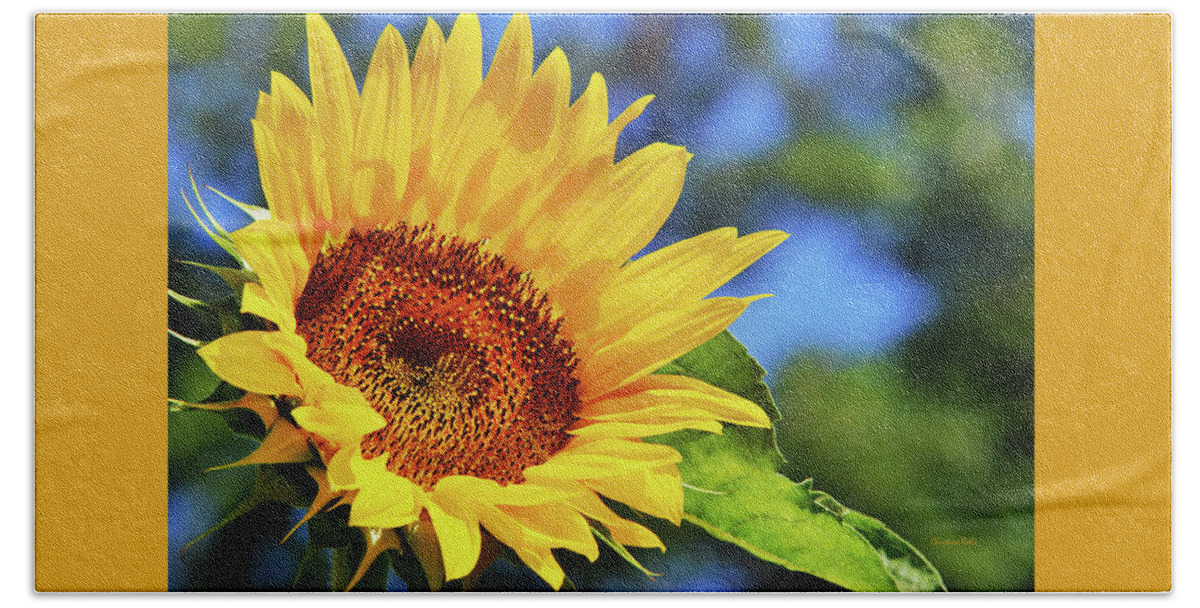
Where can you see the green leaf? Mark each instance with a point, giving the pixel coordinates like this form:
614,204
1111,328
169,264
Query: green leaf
733,490
240,421
910,569
269,486
725,363
188,376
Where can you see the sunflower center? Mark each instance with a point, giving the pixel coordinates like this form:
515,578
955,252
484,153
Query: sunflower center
457,351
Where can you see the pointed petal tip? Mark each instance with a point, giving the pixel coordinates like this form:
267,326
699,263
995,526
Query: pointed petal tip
392,41
391,31
773,237
433,29
469,24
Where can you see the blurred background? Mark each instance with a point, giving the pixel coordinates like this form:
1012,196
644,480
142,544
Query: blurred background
898,152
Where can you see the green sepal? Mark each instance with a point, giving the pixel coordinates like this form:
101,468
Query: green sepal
255,212
245,423
269,486
620,550
344,564
421,538
226,313
346,560
567,584
376,577
240,421
236,278
216,232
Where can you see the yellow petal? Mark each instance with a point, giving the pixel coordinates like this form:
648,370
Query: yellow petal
588,117
337,422
464,63
291,158
459,538
672,278
623,531
649,414
620,212
644,429
658,492
605,457
273,251
573,467
535,530
488,492
547,99
542,562
511,67
273,175
244,359
255,301
384,137
430,88
659,396
462,171
681,273
384,500
335,101
338,472
554,526
655,342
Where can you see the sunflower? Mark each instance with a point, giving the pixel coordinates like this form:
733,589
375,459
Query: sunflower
455,324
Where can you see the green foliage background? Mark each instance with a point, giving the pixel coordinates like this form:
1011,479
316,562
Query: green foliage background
932,434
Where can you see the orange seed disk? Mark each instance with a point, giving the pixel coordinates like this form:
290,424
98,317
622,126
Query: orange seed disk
455,349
